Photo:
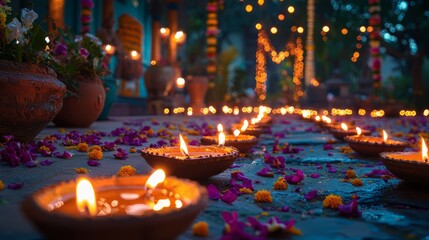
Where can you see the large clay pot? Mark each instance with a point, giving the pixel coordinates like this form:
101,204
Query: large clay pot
197,88
30,97
82,110
159,81
111,94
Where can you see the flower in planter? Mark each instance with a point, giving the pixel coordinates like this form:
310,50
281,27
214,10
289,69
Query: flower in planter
76,55
20,39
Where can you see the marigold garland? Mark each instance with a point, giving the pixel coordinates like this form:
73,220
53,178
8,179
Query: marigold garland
374,41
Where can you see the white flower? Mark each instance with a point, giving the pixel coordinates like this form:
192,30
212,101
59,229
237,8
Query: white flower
16,31
28,17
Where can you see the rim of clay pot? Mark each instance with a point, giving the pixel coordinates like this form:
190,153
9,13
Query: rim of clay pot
127,226
407,170
243,145
372,149
19,68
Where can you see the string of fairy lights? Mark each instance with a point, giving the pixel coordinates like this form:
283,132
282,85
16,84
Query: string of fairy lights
264,47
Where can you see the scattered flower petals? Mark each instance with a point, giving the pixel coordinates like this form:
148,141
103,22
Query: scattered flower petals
46,162
200,229
263,196
93,163
350,210
15,186
265,172
127,170
332,201
120,154
310,195
229,197
213,192
315,175
81,170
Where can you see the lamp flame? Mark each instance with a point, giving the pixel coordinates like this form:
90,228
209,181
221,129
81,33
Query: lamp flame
358,131
328,120
85,197
244,126
219,127
155,178
424,151
221,139
344,126
317,118
236,132
183,148
384,136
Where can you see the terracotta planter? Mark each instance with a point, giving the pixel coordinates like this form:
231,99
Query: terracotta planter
30,97
197,88
81,111
159,81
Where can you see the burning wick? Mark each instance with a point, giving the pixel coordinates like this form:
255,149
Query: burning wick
183,148
219,128
245,125
358,131
221,139
424,150
85,198
236,133
344,127
384,136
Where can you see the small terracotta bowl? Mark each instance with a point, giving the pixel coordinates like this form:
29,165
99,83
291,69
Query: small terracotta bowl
340,134
212,161
404,166
251,130
243,142
154,225
369,146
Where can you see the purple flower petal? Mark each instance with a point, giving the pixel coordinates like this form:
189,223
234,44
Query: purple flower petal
315,175
31,164
15,186
350,210
46,162
229,197
213,192
265,172
285,209
93,163
121,154
328,147
310,195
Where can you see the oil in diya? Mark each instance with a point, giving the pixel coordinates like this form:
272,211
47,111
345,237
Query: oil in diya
240,141
134,207
411,167
373,146
341,132
195,162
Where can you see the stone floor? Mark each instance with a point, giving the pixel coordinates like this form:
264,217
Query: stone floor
391,209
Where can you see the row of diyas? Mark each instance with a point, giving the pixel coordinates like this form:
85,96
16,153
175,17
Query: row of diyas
136,207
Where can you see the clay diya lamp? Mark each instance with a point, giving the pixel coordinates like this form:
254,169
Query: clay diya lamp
239,141
373,146
135,207
343,131
411,167
248,129
194,162
325,122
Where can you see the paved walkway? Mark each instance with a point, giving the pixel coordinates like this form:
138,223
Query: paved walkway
390,209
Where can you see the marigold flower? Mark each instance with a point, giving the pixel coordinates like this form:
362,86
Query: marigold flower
95,154
127,170
350,173
357,182
245,190
294,230
1,185
133,150
263,196
280,184
200,229
346,149
82,147
95,147
62,130
81,170
332,201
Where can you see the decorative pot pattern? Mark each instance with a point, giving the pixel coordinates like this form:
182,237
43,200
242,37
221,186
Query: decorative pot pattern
30,97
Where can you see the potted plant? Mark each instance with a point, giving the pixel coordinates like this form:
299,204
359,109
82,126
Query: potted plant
78,61
30,94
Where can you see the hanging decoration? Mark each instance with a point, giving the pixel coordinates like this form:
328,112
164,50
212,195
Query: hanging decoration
264,48
211,33
86,16
309,58
374,41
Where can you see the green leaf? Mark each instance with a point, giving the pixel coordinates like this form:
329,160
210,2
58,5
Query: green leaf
38,42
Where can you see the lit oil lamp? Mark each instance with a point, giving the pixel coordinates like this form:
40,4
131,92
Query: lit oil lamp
409,166
341,131
240,141
136,207
325,122
248,129
373,146
195,162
